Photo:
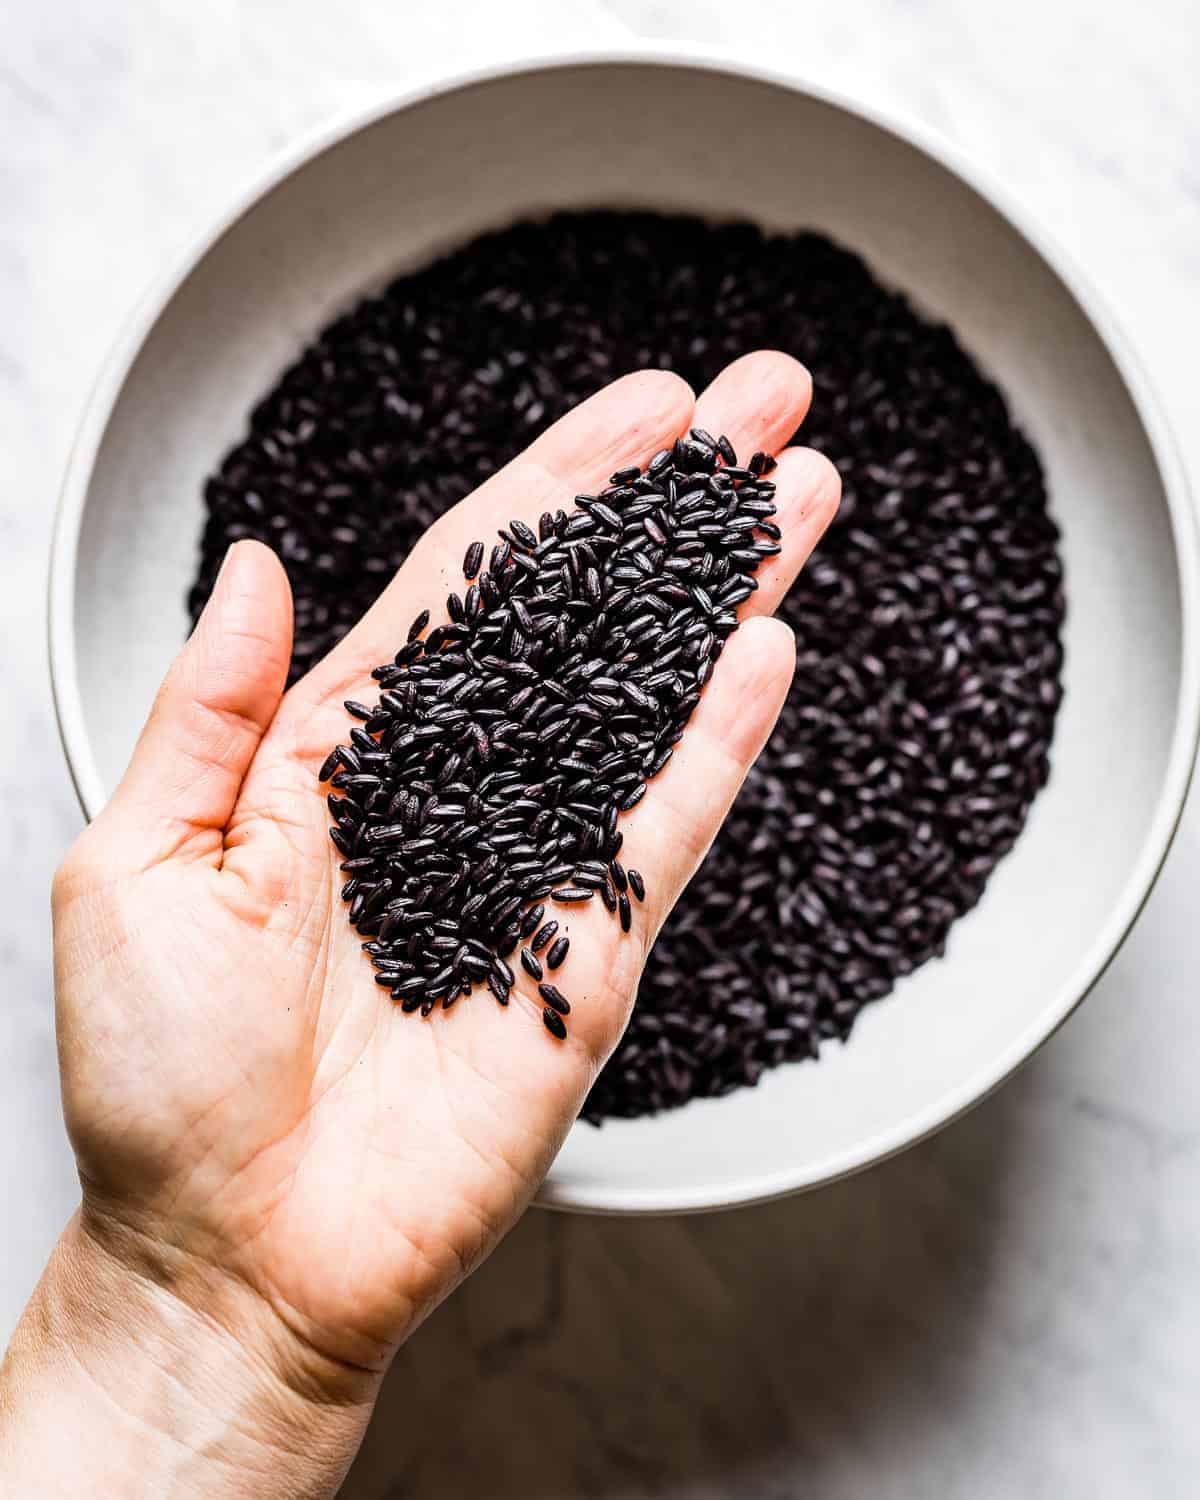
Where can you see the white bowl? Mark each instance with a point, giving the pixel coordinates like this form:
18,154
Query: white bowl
681,130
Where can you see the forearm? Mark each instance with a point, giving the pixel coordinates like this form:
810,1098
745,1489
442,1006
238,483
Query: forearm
112,1386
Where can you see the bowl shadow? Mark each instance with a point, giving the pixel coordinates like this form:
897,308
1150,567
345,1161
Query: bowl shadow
729,1354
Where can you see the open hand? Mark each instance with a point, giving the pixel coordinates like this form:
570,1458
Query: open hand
262,1136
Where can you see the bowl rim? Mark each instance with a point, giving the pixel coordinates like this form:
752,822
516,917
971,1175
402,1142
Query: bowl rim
437,82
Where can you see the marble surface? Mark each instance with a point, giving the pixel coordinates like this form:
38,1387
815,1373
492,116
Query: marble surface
1012,1308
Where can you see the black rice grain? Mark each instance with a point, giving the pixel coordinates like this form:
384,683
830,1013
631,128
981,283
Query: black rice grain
927,626
555,998
544,935
531,919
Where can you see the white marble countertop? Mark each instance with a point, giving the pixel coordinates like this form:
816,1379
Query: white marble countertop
1012,1308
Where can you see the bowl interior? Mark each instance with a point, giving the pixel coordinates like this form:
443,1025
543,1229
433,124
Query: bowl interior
685,136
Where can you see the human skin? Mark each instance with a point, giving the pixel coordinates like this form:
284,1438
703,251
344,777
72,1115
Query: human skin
281,1174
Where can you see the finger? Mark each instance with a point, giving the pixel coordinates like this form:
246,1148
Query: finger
807,491
213,708
625,423
758,402
670,831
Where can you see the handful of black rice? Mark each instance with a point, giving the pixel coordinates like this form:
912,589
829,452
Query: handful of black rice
917,730
507,742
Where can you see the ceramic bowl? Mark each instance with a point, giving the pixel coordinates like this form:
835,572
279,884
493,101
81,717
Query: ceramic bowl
679,130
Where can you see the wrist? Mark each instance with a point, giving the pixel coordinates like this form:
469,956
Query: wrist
166,1389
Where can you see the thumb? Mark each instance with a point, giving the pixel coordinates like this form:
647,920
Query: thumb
212,710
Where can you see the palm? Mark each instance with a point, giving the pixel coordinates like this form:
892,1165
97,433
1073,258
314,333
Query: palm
230,1063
